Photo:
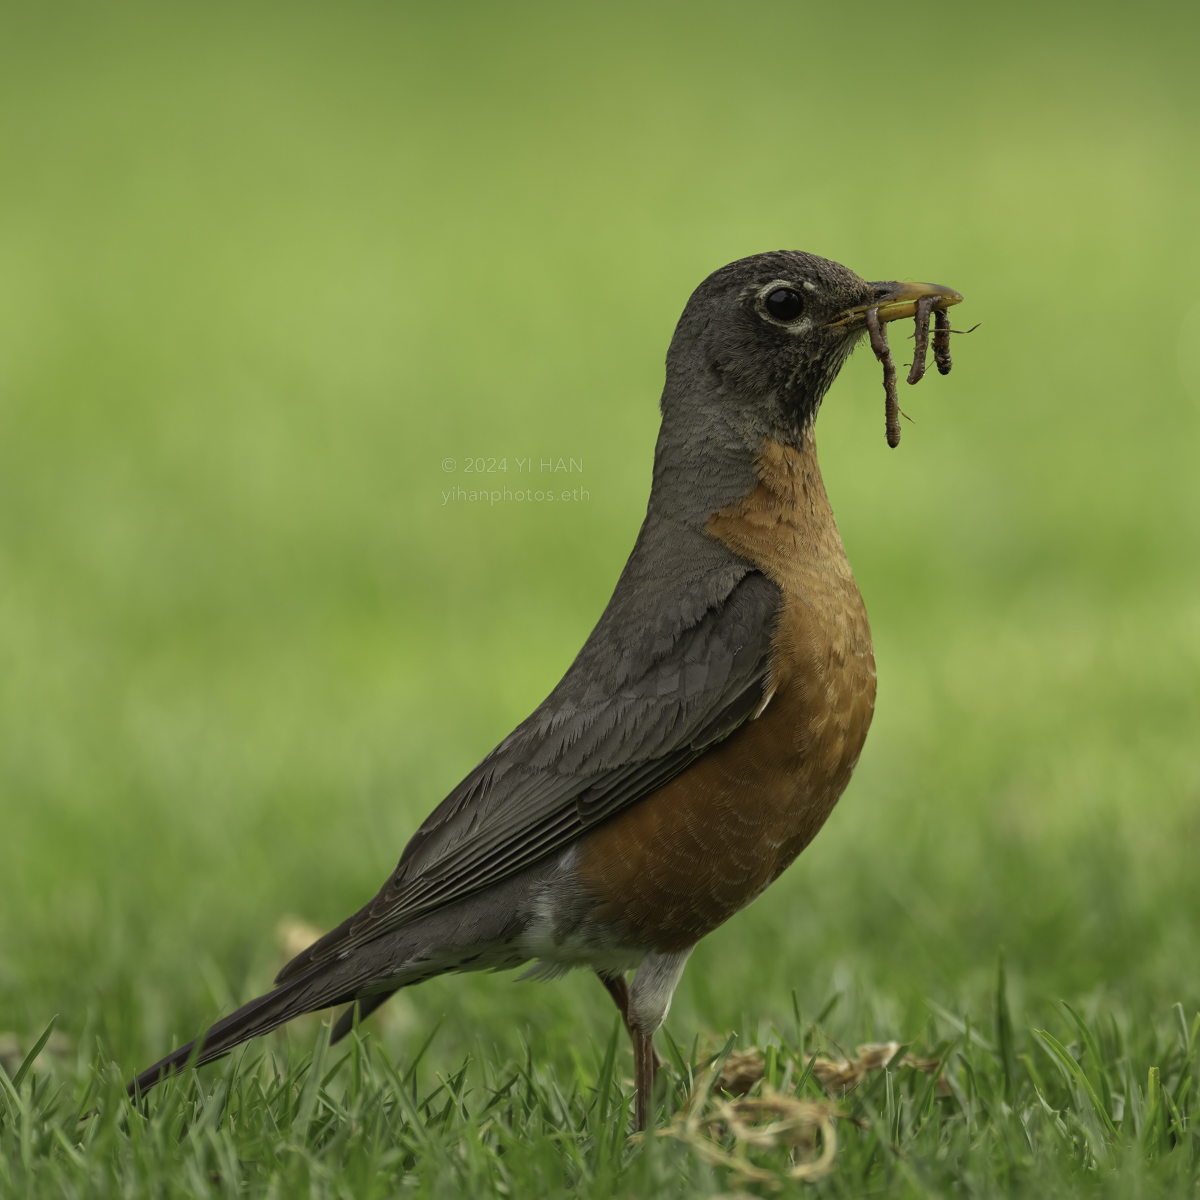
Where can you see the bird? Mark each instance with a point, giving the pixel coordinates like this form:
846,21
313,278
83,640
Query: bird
704,732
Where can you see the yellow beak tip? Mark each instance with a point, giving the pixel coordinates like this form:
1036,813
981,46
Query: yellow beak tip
898,301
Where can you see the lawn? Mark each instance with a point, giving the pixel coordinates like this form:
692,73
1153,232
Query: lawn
273,275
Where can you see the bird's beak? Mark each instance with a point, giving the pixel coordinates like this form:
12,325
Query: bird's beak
895,301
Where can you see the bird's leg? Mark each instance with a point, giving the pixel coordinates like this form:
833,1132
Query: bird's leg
649,1001
645,1058
645,1068
618,989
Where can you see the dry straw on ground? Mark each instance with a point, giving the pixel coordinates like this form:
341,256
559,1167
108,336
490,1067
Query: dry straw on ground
742,1071
758,1123
723,1131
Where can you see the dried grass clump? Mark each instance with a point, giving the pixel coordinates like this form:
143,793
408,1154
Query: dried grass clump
742,1071
723,1132
836,1076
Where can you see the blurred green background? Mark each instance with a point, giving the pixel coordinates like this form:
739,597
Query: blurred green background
263,267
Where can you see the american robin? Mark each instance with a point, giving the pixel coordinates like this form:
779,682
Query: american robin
704,732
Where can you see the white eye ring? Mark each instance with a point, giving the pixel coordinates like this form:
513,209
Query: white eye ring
781,303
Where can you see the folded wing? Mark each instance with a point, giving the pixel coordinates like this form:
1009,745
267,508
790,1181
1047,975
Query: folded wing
644,699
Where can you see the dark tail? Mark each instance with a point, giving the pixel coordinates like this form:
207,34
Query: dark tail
366,1006
306,993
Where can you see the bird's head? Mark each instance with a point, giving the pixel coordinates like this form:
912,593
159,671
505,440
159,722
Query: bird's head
767,335
753,355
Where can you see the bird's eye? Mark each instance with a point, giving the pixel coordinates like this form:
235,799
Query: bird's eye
784,304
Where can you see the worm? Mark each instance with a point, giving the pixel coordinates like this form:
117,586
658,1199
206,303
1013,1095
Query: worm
924,308
941,341
941,355
892,403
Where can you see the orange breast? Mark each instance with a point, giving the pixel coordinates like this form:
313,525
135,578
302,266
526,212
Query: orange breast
680,862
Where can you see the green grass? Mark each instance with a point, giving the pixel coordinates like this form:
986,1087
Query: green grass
266,266
1012,1111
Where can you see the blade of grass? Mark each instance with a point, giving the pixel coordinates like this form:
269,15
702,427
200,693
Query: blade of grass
1004,1033
38,1046
1093,1049
676,1053
1181,1028
709,1076
1155,1131
960,1026
1073,1071
412,1067
830,1005
312,1084
607,1072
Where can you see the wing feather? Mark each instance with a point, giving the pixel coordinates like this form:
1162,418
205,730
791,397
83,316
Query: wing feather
585,754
